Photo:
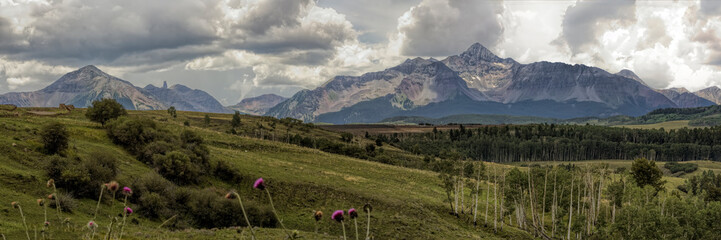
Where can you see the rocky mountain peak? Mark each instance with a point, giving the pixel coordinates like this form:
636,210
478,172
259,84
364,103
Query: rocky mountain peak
630,74
479,52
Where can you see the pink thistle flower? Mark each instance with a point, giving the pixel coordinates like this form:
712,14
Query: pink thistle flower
127,191
352,213
113,186
259,184
92,225
47,223
337,215
128,210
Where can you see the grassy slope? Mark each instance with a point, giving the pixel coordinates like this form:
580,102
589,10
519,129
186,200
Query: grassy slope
407,203
666,125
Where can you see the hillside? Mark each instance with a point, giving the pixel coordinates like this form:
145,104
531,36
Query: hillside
407,203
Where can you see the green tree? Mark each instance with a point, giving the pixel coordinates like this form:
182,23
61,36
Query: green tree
236,120
54,137
645,172
207,120
172,112
104,110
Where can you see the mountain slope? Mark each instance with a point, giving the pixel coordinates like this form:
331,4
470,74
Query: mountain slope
185,99
630,74
474,82
685,99
712,94
258,105
416,82
81,88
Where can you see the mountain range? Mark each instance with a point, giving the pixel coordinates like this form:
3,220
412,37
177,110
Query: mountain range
81,87
479,82
473,82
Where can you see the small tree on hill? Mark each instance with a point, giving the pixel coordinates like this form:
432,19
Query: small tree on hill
172,112
236,120
103,110
207,120
54,137
646,172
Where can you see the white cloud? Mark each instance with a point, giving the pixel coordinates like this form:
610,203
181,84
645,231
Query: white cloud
447,27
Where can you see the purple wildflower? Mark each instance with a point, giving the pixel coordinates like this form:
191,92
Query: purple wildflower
127,191
259,184
128,210
337,215
352,213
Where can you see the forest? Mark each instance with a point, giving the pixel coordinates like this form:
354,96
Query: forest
551,142
588,202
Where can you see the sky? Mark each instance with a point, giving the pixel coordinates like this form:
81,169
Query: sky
243,48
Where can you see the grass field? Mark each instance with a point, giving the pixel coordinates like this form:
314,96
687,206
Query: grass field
665,125
407,203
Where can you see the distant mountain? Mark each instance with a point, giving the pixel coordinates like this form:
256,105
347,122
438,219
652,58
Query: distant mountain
712,94
83,86
185,99
685,99
474,82
630,74
258,105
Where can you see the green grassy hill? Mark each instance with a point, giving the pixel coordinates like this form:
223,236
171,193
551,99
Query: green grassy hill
407,203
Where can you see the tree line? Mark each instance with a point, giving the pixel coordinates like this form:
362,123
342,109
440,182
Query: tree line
550,142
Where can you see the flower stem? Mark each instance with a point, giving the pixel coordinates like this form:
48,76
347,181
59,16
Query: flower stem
242,208
57,202
276,214
102,188
125,214
356,228
368,228
342,223
24,223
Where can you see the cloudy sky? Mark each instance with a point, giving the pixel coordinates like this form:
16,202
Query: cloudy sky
243,48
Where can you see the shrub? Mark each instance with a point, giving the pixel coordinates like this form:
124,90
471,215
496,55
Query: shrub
681,167
54,137
67,202
227,173
209,210
157,147
172,112
235,122
134,133
82,177
153,206
176,166
104,110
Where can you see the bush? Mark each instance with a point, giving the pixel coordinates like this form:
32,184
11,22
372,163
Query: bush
227,173
104,110
176,166
135,133
153,148
82,177
153,206
681,167
67,202
54,137
209,210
